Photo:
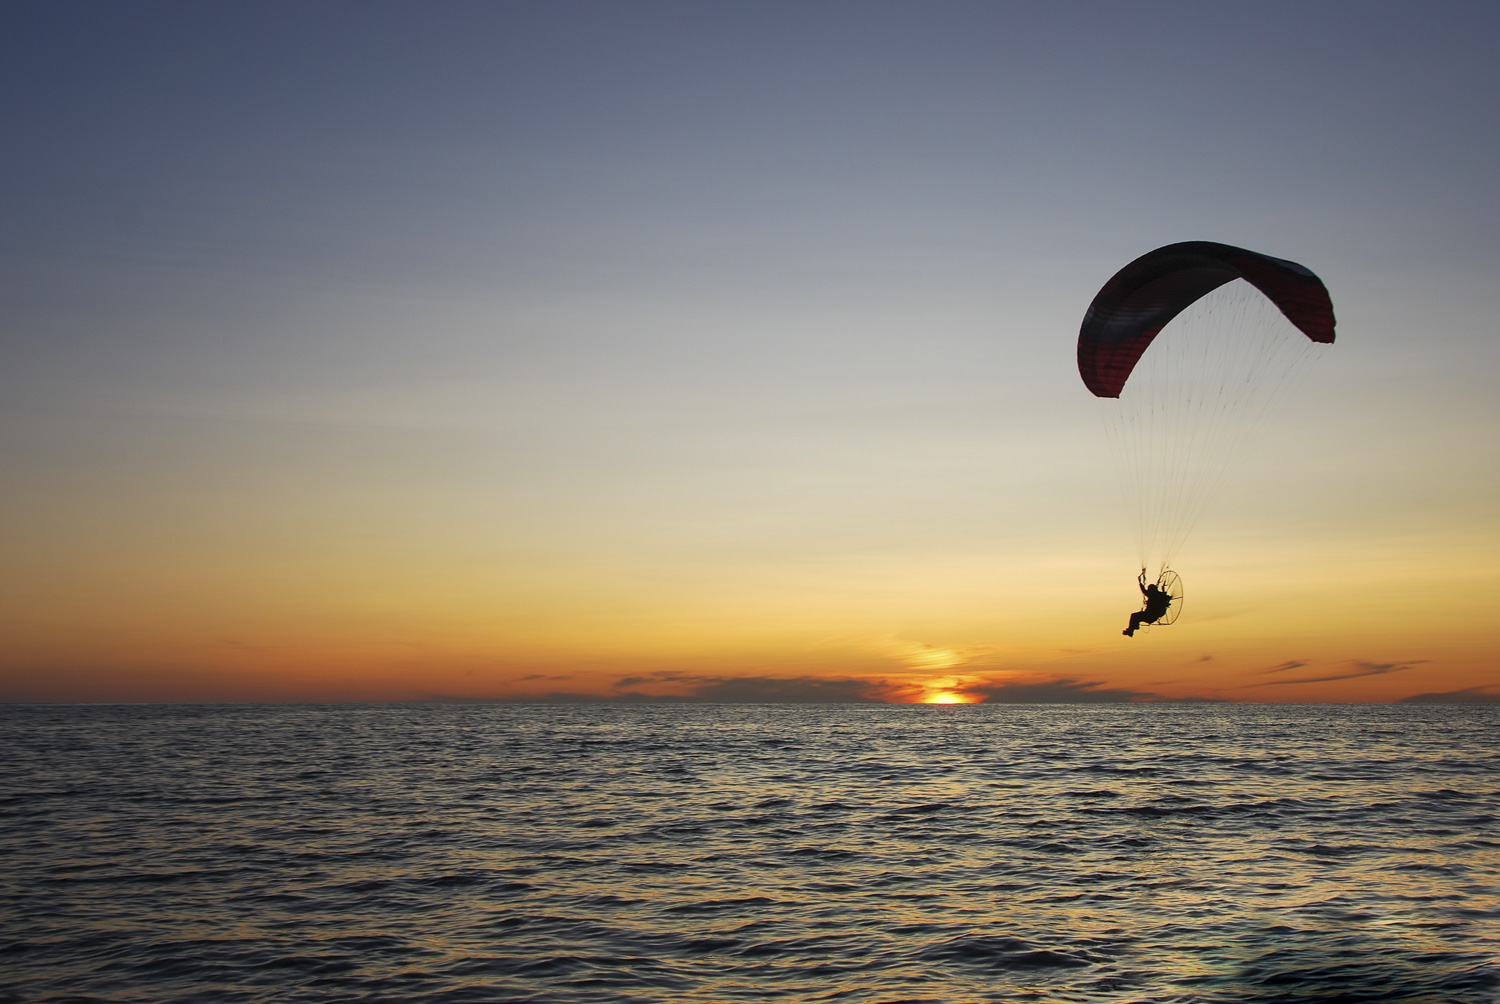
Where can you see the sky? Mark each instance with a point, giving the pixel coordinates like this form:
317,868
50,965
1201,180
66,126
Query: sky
633,351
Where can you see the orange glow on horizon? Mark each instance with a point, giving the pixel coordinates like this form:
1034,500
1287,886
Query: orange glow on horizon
1350,630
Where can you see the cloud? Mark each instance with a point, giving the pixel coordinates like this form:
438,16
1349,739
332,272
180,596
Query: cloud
676,688
1293,664
662,677
1063,691
1470,695
1372,668
918,655
750,689
1359,669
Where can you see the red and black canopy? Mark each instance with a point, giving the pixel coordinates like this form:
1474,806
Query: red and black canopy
1146,294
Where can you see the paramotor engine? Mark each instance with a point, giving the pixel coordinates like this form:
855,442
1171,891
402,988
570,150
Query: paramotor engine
1169,583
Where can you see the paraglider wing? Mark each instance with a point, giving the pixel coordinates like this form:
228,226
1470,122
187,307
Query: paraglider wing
1145,295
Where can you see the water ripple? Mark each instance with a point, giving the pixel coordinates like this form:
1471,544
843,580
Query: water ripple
1203,854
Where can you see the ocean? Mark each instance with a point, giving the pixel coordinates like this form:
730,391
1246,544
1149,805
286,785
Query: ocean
716,853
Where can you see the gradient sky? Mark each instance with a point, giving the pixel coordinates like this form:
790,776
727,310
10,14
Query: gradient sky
474,350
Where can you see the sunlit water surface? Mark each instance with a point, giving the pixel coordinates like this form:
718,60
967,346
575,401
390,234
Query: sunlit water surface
724,853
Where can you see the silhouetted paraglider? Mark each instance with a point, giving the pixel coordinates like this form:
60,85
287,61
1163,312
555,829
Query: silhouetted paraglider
1190,348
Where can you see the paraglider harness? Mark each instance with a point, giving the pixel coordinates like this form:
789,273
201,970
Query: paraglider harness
1163,601
1157,601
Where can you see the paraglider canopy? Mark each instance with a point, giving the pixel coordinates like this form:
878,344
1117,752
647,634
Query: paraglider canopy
1190,350
1145,295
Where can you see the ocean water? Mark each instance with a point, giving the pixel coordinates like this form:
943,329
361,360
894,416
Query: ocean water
719,853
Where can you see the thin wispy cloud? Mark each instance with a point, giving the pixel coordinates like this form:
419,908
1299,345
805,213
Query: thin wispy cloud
919,655
1359,669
